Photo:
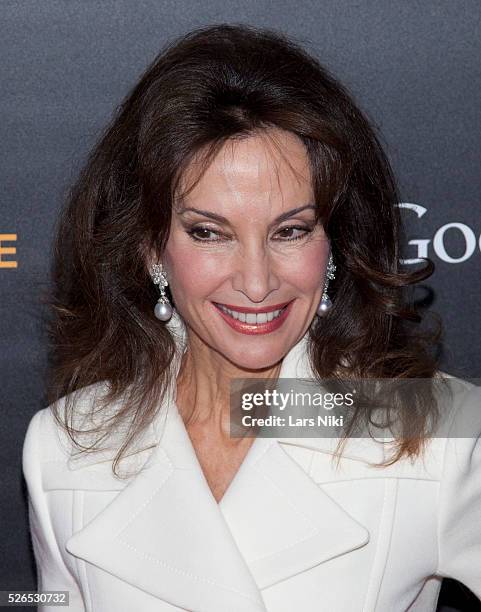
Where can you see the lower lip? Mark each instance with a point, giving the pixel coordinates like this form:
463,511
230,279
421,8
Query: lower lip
261,328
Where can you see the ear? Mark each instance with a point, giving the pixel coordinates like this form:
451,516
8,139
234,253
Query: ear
150,256
151,259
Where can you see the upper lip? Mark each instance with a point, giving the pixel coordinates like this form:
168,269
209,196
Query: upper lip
254,310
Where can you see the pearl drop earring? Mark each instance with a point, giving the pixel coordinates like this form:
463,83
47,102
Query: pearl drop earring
325,304
163,309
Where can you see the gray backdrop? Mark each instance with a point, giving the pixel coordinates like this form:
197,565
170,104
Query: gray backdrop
413,66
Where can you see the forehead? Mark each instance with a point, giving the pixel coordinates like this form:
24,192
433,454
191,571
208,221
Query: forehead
269,169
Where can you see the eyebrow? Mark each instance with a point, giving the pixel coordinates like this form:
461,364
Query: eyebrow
221,219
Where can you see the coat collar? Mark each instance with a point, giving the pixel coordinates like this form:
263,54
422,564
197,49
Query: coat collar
165,533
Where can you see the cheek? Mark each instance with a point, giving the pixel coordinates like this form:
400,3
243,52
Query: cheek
306,269
195,273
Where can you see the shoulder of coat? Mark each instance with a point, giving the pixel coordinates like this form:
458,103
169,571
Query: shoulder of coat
86,415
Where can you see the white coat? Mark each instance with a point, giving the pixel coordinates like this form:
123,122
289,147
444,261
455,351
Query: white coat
292,532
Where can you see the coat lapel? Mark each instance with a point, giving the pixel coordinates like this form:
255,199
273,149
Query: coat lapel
282,521
165,533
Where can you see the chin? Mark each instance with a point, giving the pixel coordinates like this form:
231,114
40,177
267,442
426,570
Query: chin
253,362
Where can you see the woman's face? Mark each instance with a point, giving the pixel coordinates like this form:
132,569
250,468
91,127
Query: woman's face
236,250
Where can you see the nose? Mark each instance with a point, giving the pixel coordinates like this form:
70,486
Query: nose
256,276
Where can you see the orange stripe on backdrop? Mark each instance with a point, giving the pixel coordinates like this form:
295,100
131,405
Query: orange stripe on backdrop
7,251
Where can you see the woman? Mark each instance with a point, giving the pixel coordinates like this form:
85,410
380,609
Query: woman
240,179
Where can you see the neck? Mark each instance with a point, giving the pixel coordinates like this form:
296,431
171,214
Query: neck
203,387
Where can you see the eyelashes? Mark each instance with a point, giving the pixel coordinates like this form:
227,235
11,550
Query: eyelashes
220,237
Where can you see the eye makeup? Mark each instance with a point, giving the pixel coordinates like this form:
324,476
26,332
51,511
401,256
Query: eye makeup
195,229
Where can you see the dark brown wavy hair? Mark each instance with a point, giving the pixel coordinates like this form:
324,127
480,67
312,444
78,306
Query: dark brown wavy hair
217,83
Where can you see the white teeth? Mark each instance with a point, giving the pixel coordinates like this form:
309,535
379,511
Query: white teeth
252,318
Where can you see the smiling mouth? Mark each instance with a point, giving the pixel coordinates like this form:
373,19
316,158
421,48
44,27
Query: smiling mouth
251,318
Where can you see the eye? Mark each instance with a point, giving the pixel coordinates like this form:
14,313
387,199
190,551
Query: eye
195,231
305,231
